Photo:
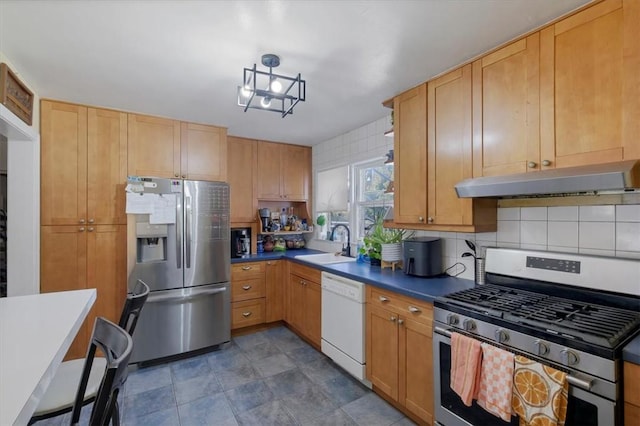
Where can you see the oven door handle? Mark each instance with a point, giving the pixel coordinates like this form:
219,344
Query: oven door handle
573,381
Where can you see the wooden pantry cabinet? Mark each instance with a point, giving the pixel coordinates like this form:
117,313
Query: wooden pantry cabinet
283,172
83,232
399,350
168,148
506,110
590,86
242,165
304,298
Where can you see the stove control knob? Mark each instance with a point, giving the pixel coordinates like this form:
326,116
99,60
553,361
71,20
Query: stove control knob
469,324
452,319
569,357
542,348
501,336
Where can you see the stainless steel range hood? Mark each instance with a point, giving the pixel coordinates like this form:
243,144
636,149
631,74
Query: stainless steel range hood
619,176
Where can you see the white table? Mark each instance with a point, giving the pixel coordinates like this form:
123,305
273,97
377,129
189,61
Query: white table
35,333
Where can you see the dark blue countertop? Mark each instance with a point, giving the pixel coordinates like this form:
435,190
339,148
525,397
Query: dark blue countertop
631,352
421,288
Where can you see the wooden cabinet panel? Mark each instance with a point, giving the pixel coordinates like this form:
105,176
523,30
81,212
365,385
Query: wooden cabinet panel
382,350
284,172
268,171
246,313
247,289
632,383
313,312
506,109
63,172
295,305
449,149
154,146
304,298
410,150
295,162
203,152
106,166
242,165
243,271
416,368
587,62
275,290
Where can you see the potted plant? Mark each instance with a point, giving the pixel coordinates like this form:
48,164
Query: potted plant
384,243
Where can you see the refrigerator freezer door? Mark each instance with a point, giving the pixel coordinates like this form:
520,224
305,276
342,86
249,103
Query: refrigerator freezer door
177,321
207,256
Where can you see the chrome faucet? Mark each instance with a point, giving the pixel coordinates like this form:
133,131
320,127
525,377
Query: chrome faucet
346,251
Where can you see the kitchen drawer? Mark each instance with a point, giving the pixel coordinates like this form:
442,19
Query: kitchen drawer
252,288
241,271
406,306
249,312
306,272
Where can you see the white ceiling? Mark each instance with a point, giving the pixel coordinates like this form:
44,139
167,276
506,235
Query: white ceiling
184,59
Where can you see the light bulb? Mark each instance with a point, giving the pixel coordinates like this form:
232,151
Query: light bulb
276,86
265,102
246,91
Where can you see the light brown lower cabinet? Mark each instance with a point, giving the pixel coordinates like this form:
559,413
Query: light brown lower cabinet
304,302
275,290
631,394
399,350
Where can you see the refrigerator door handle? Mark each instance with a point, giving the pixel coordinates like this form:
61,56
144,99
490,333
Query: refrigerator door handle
182,298
188,219
179,235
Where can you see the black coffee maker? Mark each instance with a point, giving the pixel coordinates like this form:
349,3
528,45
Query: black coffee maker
265,218
240,242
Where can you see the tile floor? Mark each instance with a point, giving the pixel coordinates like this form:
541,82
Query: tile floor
270,377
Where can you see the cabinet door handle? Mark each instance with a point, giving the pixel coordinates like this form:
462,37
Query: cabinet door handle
532,164
400,321
246,287
81,229
414,310
546,163
302,282
430,220
268,263
91,220
246,314
81,221
184,176
176,175
383,299
420,219
90,229
246,268
393,319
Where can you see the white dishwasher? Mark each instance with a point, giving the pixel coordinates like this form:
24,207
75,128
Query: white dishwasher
343,323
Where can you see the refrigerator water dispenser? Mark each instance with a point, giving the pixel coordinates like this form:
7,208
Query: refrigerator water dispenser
151,242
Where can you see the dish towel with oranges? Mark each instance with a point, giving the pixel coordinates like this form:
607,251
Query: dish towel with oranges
496,381
465,366
539,393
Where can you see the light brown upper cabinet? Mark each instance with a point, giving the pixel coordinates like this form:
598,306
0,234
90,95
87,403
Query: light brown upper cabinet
506,106
410,151
449,154
242,163
590,86
284,172
167,148
83,165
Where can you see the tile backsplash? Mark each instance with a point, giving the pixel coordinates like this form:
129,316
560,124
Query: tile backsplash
607,230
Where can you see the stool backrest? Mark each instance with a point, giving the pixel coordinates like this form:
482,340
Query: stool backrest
116,345
133,306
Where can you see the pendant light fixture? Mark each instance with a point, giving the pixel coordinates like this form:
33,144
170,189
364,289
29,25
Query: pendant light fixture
269,91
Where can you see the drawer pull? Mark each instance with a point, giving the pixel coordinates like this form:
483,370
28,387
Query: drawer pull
414,310
383,299
246,268
302,282
393,319
246,314
246,287
400,321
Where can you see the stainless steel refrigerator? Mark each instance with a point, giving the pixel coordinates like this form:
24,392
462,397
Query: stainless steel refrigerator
179,244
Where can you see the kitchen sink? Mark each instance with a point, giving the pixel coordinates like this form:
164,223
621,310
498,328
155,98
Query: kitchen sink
325,258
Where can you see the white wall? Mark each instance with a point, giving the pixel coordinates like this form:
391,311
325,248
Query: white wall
604,230
23,198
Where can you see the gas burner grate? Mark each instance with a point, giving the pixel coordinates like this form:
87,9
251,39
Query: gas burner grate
597,324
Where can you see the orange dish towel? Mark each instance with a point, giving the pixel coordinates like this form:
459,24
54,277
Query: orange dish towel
466,356
539,393
496,381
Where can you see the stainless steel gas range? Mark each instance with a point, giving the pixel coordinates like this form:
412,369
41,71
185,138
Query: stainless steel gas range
572,312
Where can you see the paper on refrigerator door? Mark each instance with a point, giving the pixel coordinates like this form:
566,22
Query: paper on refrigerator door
164,210
140,203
